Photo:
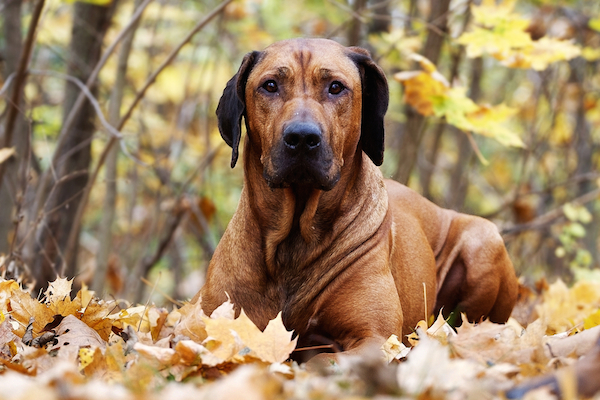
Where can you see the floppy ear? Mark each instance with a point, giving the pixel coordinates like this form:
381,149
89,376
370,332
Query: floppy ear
375,99
232,105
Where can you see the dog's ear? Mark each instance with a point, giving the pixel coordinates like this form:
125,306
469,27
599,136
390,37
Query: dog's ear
375,99
232,105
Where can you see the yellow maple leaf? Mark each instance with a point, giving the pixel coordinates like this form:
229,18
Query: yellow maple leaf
232,339
224,335
590,54
413,338
430,94
500,30
273,345
502,34
420,88
491,13
539,54
489,121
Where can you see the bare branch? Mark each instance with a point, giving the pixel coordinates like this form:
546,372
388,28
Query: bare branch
21,73
170,58
86,194
85,90
550,217
7,83
92,79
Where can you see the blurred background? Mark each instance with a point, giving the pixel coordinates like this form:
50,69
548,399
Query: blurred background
113,172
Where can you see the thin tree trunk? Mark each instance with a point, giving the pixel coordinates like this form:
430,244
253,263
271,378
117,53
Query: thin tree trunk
382,17
8,191
355,29
110,199
428,169
90,23
459,181
411,135
584,147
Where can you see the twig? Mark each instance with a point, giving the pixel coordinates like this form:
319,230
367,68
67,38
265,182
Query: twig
159,290
148,301
588,176
92,79
148,262
45,179
85,91
21,73
86,194
7,83
171,57
322,346
548,218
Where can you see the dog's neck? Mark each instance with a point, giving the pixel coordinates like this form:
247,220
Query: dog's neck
302,220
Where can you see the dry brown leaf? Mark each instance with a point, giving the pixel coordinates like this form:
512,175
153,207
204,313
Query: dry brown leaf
489,343
23,307
95,316
157,318
72,334
131,316
158,357
572,346
85,296
58,290
429,372
6,290
192,323
9,342
192,353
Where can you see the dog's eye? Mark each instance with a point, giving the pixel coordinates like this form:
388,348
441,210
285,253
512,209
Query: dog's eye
336,87
270,86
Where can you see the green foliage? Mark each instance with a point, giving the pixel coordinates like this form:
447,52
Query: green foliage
571,235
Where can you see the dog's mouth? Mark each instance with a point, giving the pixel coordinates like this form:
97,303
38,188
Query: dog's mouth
293,176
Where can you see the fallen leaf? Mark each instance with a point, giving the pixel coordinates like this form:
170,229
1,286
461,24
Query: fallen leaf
273,345
192,322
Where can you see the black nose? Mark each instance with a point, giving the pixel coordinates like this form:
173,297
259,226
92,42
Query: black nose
302,137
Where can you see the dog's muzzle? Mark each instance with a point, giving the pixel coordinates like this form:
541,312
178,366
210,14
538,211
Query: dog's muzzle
303,157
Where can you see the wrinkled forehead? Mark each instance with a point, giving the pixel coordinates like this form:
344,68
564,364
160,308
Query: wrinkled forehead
307,56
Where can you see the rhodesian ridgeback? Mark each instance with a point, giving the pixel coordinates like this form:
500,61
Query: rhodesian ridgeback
349,257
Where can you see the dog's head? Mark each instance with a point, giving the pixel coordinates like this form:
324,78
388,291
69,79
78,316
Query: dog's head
309,104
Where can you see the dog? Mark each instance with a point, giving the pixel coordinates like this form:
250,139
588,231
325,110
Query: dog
348,257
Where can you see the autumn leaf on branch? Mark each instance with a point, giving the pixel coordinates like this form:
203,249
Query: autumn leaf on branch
430,94
501,33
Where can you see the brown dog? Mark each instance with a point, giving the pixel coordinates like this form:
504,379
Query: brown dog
318,233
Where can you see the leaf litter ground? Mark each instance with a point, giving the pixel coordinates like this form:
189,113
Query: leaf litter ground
85,347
